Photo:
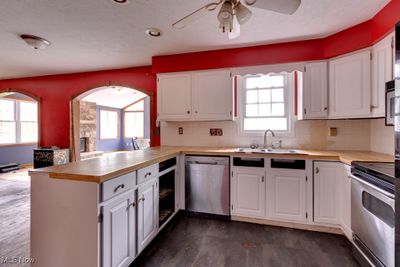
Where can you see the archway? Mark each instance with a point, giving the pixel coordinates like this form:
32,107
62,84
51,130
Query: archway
19,126
108,118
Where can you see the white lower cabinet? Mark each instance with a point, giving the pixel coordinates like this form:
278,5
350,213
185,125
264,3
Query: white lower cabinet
119,230
147,213
248,192
346,201
327,187
286,190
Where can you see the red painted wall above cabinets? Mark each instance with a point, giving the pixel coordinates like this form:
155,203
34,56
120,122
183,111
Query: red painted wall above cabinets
56,91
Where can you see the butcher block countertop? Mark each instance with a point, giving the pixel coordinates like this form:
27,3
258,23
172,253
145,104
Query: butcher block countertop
115,164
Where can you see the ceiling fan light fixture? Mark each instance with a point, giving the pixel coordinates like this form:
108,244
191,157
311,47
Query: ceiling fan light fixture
225,16
35,42
243,14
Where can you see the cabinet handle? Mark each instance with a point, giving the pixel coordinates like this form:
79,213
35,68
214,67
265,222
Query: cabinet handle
349,176
325,108
122,186
195,112
141,199
188,112
147,174
316,170
262,179
133,204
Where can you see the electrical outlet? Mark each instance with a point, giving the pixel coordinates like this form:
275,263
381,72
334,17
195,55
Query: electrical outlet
180,130
216,132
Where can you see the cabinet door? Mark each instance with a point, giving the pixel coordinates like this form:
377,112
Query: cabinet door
174,97
248,192
286,190
212,95
382,72
350,86
119,230
346,201
315,91
147,213
326,192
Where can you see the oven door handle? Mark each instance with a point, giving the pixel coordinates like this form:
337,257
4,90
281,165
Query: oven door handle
389,195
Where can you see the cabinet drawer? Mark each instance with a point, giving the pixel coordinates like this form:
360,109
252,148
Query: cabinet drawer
118,185
147,173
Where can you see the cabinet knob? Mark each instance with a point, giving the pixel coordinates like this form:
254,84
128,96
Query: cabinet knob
316,170
325,108
133,204
147,174
141,199
188,112
195,112
262,179
122,186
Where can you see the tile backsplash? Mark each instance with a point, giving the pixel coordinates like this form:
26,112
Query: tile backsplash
363,134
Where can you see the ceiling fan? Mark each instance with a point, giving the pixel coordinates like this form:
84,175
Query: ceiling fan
233,13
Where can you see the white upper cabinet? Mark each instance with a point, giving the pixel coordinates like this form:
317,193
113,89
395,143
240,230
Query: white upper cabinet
350,86
174,96
327,185
382,72
195,96
212,95
314,92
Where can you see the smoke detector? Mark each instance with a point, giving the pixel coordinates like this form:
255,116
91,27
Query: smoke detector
34,41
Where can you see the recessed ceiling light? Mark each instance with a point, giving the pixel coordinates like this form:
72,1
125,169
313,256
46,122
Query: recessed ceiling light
34,41
121,1
153,32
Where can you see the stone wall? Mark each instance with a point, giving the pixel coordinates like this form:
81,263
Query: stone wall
88,124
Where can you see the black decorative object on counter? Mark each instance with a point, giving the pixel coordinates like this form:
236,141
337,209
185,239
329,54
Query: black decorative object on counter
45,157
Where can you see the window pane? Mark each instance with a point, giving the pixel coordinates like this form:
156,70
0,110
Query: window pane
252,96
277,95
258,124
28,111
134,124
7,111
108,124
277,81
265,110
29,132
278,109
264,96
7,132
139,106
251,110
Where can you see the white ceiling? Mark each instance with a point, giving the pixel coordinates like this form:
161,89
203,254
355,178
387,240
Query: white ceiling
115,97
99,34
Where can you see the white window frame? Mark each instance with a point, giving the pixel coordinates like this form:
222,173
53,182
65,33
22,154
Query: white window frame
135,111
17,120
289,106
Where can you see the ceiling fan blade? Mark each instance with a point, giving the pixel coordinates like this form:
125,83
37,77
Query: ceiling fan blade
281,6
235,33
195,15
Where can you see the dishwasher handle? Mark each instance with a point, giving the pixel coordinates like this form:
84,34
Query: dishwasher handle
205,163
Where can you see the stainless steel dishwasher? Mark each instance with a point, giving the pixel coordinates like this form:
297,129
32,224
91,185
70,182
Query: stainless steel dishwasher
207,184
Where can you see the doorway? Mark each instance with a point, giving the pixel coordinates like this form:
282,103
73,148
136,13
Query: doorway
110,119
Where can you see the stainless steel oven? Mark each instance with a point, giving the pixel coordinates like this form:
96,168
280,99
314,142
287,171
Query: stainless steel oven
373,214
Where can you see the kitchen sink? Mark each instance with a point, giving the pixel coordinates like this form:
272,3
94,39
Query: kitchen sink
268,150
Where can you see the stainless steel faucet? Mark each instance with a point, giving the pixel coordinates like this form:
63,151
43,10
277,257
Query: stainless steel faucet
265,136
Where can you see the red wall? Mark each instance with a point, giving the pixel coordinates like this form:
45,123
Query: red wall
56,91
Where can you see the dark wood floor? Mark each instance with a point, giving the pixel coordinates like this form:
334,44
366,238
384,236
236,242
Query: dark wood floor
14,217
194,241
